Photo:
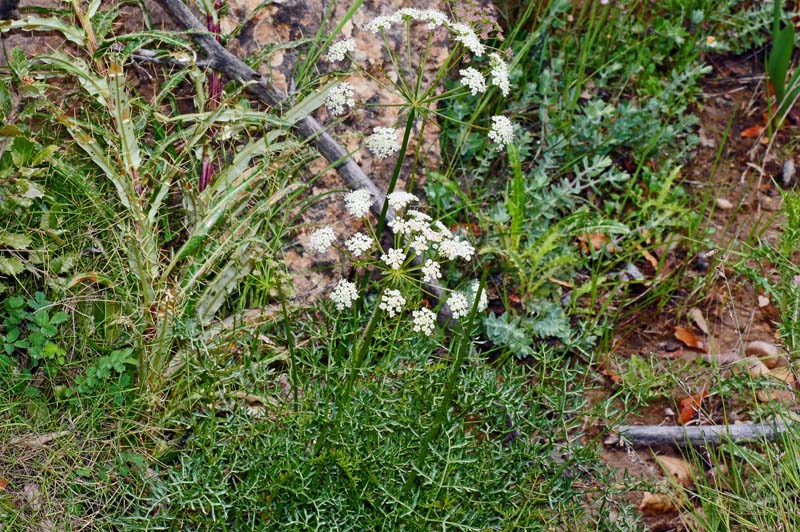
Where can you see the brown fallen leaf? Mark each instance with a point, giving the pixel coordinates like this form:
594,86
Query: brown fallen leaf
784,374
689,339
656,503
680,470
40,440
689,406
697,317
3,484
594,242
752,132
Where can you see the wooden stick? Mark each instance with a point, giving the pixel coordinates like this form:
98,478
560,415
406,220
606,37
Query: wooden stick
226,63
654,435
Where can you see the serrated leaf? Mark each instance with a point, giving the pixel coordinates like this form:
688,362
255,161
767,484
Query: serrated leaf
14,240
11,266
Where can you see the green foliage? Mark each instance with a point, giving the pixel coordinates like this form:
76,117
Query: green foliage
30,327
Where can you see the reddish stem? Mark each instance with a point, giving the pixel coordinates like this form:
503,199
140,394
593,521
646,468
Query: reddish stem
214,97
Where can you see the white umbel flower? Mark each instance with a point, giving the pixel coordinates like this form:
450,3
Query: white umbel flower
466,36
394,258
424,321
321,239
383,22
502,131
340,49
339,97
473,79
358,202
392,302
399,199
358,244
431,271
483,302
344,294
500,73
453,248
459,305
383,142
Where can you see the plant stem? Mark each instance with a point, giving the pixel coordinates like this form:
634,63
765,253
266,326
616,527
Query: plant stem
464,339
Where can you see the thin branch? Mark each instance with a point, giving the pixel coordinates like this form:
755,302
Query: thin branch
221,60
696,435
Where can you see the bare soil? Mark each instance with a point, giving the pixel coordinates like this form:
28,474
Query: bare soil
738,180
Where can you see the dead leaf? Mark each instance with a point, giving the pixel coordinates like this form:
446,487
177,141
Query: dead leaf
784,374
656,503
752,132
3,484
690,339
38,441
697,316
595,242
678,469
689,406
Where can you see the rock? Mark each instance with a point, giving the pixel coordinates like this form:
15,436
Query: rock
778,396
755,368
767,352
787,173
724,204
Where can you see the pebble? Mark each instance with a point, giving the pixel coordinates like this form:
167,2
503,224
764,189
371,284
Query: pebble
767,352
724,204
788,173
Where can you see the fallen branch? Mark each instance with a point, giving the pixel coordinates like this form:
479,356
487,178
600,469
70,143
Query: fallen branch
226,63
655,435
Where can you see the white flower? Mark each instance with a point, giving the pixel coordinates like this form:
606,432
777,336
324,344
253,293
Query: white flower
434,18
711,41
392,302
383,142
424,321
502,131
467,37
473,79
321,239
358,244
431,271
339,97
418,215
483,302
344,294
394,258
419,244
340,49
383,22
459,306
358,202
452,248
400,227
400,198
499,73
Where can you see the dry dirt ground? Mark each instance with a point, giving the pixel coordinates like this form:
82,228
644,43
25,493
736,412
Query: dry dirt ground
738,180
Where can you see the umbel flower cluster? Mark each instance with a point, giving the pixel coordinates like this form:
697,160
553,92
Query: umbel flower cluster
383,141
415,233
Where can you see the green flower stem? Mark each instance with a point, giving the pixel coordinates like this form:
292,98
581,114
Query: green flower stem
358,358
400,157
464,340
